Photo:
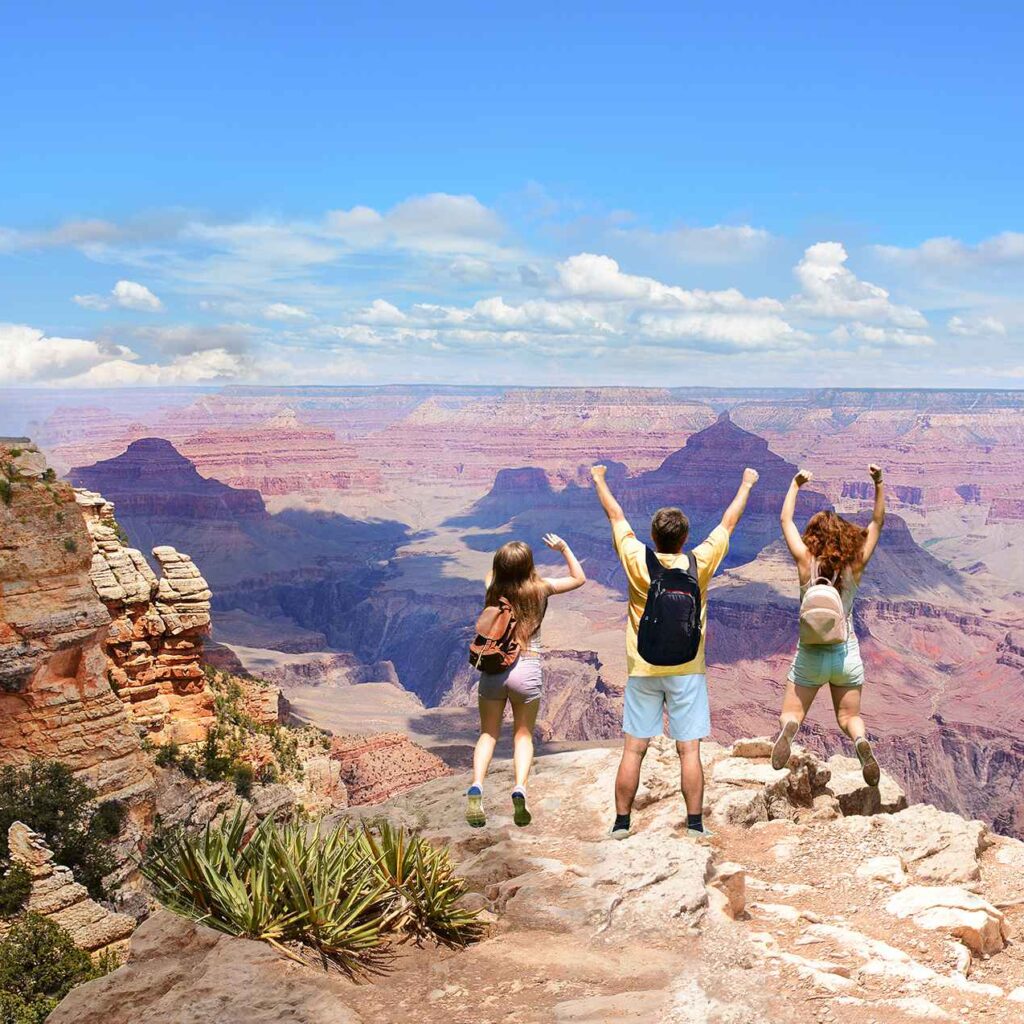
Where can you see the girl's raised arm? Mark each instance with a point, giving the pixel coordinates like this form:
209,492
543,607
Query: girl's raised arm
795,543
877,516
576,577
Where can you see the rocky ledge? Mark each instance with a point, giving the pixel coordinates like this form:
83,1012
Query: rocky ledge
817,899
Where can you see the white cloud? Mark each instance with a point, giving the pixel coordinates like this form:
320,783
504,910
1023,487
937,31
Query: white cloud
435,223
381,311
881,337
282,311
195,368
976,326
132,295
599,277
185,339
124,295
28,356
1006,248
831,290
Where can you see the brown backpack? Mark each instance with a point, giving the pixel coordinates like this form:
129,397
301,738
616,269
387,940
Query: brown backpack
495,647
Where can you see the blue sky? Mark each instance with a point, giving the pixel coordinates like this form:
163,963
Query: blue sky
565,193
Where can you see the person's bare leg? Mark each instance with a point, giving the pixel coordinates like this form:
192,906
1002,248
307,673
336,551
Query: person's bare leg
491,712
796,702
691,775
627,779
846,701
524,717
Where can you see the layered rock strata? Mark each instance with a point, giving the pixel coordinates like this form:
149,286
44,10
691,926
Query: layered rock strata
56,702
375,768
155,639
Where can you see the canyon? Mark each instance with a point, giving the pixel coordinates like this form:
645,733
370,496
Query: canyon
375,579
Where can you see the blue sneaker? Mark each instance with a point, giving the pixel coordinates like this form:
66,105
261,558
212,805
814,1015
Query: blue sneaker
475,816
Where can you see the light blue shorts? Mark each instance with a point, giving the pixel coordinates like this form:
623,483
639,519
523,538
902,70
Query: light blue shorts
835,664
685,697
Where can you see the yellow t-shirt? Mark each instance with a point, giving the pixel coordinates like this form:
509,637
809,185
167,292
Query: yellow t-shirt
632,555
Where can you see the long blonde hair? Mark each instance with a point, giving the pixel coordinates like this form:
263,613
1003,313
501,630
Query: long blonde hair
514,577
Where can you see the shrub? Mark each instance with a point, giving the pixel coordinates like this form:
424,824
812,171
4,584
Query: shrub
62,809
50,475
39,965
6,492
167,756
70,545
15,887
338,895
243,778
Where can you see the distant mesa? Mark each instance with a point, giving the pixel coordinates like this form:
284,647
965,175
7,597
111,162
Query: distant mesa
701,478
528,478
152,477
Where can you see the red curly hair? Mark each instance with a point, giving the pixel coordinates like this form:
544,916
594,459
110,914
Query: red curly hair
835,542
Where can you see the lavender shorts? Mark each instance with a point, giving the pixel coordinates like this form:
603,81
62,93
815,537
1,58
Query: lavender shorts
521,684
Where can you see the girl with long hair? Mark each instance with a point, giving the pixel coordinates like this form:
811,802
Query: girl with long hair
833,549
514,577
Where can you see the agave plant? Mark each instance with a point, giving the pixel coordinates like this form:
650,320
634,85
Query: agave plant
303,892
335,896
425,891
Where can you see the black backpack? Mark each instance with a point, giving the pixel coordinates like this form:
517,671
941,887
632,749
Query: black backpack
670,629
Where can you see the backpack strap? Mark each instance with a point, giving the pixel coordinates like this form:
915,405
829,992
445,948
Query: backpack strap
692,560
654,568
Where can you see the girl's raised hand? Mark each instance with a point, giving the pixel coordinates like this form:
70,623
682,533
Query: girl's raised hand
555,542
802,477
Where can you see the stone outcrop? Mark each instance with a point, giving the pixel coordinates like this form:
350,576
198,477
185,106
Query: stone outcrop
155,639
179,972
374,768
807,915
56,895
55,699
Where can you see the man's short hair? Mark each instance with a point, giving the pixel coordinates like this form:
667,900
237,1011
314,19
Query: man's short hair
670,528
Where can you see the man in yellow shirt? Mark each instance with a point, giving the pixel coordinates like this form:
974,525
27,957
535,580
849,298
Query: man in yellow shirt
682,690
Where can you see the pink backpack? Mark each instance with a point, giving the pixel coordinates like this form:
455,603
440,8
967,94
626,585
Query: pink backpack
822,615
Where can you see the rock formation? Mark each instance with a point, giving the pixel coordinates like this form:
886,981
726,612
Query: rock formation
375,768
155,640
179,971
794,911
56,702
56,895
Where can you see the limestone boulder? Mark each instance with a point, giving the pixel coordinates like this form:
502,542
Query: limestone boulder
937,846
179,972
889,869
956,912
56,895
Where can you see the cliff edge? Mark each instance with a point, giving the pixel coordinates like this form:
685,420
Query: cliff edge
817,899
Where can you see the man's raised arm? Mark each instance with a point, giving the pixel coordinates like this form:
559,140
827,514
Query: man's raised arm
732,514
612,509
